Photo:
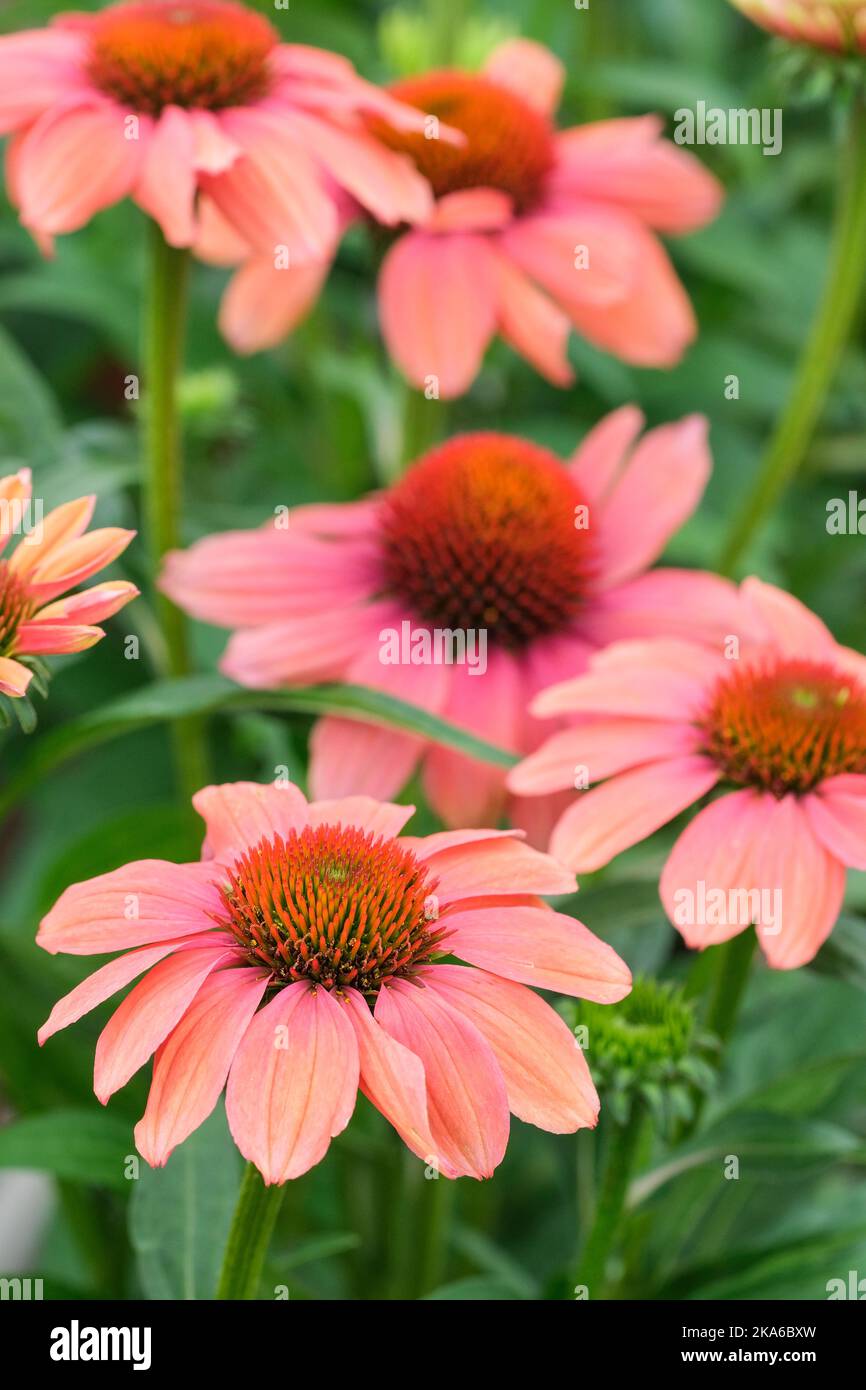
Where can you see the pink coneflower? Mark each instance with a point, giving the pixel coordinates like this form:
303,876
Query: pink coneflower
488,534
835,24
533,232
781,729
53,555
301,959
185,104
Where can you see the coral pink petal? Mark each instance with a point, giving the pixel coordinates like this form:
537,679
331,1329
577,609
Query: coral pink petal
60,526
471,210
263,304
715,850
73,163
214,150
836,811
811,884
784,621
495,867
93,605
650,325
586,258
387,184
217,242
686,604
247,578
383,818
36,638
70,564
144,902
533,325
109,979
293,1082
465,791
15,491
238,815
546,1075
529,70
393,1079
661,679
624,161
536,946
193,1063
598,461
598,748
14,678
426,846
466,1096
148,1014
437,306
300,650
348,755
273,195
611,818
166,185
657,491
39,69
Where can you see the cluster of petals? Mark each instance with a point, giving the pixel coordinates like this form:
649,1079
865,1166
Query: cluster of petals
38,614
584,254
309,604
274,169
445,1054
638,723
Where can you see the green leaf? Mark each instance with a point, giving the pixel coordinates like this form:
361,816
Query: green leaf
843,955
481,1288
30,427
180,1215
794,1269
206,695
87,1146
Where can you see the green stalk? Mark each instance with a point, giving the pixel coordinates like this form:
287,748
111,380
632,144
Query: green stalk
251,1230
435,1205
622,1153
830,332
727,973
164,324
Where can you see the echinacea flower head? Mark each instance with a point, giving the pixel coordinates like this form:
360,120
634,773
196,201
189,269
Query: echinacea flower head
304,957
38,615
196,109
839,25
533,232
489,537
775,721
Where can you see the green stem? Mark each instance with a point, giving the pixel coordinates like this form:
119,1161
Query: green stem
829,334
436,1201
622,1151
164,324
249,1237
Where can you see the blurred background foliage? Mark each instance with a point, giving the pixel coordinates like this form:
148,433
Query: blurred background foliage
323,417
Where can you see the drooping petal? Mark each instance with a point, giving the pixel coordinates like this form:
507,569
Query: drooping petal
39,70
166,184
836,811
532,323
110,978
263,304
392,1078
546,1075
692,605
466,1097
193,1063
620,813
61,525
300,650
48,639
437,306
14,678
783,620
92,605
535,946
598,461
387,184
72,163
293,1082
148,1014
464,790
810,880
238,815
147,901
